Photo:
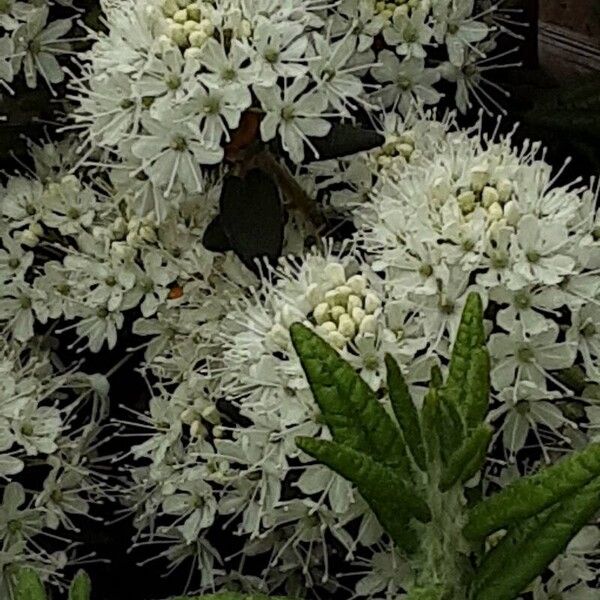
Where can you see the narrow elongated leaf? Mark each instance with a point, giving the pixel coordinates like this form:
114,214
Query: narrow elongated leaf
468,459
28,586
405,411
252,216
449,427
430,417
391,499
477,388
349,407
81,587
343,140
530,495
523,555
462,373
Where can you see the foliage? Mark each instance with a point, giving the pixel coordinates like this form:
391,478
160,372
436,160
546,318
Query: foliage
414,477
28,586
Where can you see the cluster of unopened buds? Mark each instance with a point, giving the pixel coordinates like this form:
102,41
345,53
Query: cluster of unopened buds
492,195
136,230
188,23
398,147
402,7
345,310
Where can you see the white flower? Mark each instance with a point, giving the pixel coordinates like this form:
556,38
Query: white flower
172,150
519,358
409,33
296,115
38,43
405,82
539,253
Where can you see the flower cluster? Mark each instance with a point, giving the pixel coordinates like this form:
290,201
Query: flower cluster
227,431
77,252
31,41
439,212
175,84
50,420
480,214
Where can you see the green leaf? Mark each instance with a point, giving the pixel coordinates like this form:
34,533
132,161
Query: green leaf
405,411
430,417
81,587
392,501
530,495
525,553
343,140
468,459
349,407
215,239
467,386
28,585
252,216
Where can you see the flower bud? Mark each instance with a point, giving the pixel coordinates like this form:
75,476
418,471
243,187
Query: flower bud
353,302
197,429
368,325
372,303
279,335
211,414
180,16
358,314
358,284
489,196
504,187
321,313
328,327
337,340
495,212
336,312
466,201
346,326
480,176
335,273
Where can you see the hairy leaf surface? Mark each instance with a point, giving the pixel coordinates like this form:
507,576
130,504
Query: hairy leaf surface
524,553
349,407
392,500
530,495
405,411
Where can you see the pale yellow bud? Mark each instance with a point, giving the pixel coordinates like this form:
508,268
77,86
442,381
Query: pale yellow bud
343,292
405,150
337,312
358,284
180,16
489,196
353,302
346,326
321,313
504,187
358,314
368,325
337,340
495,212
479,177
372,303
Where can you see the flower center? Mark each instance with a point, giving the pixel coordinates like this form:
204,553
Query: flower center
525,354
179,143
522,300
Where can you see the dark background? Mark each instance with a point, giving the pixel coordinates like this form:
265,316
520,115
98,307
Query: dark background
535,91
